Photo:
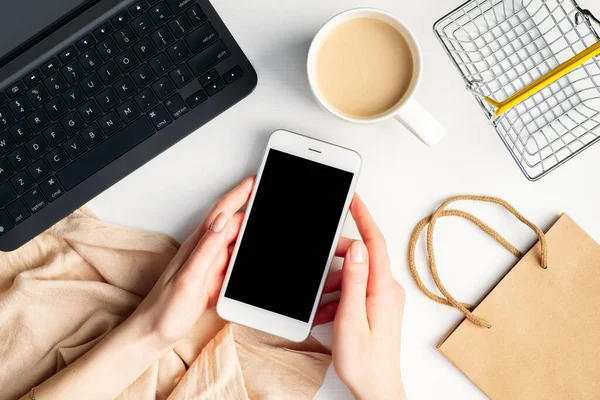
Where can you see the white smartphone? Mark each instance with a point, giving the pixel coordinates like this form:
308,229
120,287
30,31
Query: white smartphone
293,222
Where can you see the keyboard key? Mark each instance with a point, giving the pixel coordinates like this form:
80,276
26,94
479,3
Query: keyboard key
71,123
176,106
160,64
124,37
6,143
51,189
39,170
5,169
105,153
67,54
91,84
142,25
109,73
179,5
92,135
56,108
196,99
162,37
196,15
181,76
5,222
180,26
144,49
21,182
128,111
110,123
19,107
74,147
125,87
138,8
16,89
73,96
3,98
50,66
54,135
208,78
20,132
159,13
107,99
178,52
107,48
126,61
121,19
38,120
159,117
213,54
17,212
6,118
33,77
102,31
55,83
85,42
215,87
201,37
6,196
89,111
57,158
142,76
90,60
35,200
163,88
36,147
146,99
72,71
37,95
18,158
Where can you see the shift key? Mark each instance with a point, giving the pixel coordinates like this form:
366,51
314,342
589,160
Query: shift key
213,54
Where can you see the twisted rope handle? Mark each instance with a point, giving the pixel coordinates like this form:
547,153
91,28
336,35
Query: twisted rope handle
442,212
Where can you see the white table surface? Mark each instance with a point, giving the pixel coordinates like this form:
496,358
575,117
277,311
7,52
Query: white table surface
402,180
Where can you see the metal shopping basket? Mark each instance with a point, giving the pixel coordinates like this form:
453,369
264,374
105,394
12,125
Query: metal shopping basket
532,65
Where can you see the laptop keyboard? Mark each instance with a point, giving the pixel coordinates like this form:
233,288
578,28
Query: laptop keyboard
100,97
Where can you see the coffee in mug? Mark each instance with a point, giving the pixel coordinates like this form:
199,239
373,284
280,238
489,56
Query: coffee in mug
364,67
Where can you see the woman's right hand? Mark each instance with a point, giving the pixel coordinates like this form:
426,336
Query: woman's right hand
368,318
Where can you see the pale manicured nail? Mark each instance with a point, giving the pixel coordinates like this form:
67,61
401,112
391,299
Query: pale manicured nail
358,252
219,223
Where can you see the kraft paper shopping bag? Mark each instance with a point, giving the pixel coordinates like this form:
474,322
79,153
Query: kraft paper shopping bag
536,335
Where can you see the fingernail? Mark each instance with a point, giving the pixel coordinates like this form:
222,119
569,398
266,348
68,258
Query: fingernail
219,223
358,252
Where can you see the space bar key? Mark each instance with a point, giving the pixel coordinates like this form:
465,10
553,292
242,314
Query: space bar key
105,153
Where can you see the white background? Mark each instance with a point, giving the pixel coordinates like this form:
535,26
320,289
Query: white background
402,180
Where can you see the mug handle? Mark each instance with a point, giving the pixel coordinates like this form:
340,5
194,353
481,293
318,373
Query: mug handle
421,123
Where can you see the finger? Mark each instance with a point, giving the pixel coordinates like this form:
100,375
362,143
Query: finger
231,202
333,282
326,313
355,275
234,226
343,246
380,270
206,251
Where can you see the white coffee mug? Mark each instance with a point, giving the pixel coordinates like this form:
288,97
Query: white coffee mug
407,111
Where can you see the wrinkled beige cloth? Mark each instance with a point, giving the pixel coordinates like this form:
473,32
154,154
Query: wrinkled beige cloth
65,290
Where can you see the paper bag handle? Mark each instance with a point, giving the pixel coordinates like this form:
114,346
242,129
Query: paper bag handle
442,212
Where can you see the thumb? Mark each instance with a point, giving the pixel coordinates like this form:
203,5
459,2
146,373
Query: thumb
355,275
206,251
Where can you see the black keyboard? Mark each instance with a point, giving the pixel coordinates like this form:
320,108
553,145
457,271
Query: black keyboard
112,98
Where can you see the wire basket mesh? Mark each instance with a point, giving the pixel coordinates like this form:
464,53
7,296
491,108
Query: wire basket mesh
501,46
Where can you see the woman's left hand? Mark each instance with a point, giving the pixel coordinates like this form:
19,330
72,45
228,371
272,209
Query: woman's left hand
192,281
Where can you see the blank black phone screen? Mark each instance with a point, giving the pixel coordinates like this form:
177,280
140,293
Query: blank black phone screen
289,235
